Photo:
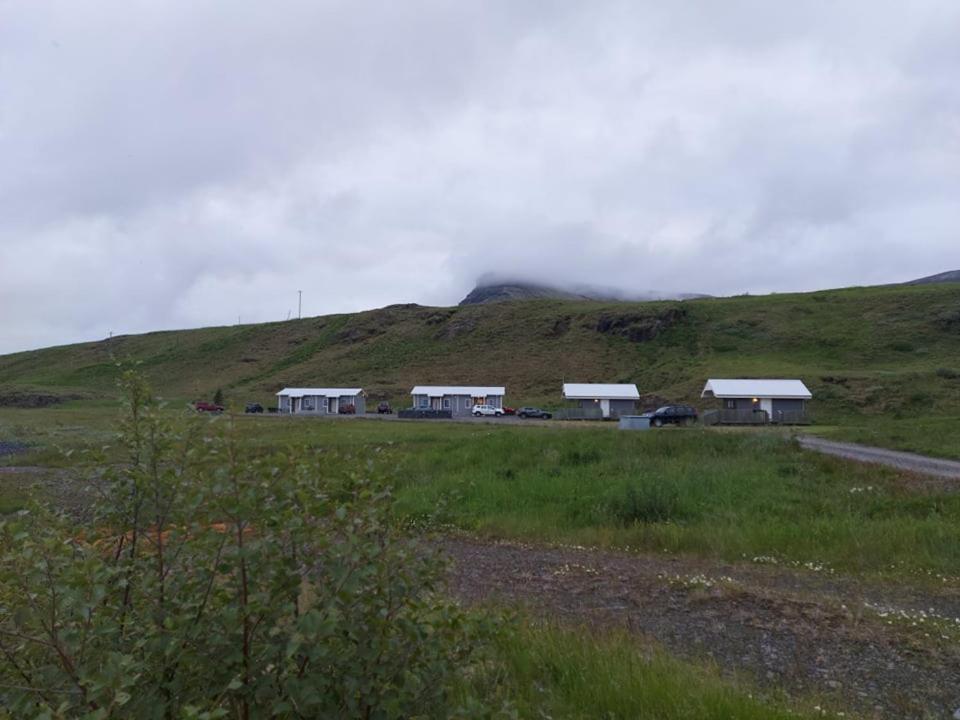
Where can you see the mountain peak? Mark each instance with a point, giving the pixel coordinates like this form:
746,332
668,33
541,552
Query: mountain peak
491,289
944,277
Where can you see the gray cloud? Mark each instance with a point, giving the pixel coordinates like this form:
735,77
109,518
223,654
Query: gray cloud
177,164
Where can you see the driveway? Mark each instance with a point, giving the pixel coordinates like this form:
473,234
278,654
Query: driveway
911,462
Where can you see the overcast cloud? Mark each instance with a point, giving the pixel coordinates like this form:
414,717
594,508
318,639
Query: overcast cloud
172,164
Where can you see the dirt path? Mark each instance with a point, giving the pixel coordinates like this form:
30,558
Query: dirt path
883,651
902,460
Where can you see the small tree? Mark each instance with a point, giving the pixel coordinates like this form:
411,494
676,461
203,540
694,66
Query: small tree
218,397
216,584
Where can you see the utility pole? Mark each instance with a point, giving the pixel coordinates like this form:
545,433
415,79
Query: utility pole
299,303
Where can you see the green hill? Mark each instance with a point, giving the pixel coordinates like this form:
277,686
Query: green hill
863,351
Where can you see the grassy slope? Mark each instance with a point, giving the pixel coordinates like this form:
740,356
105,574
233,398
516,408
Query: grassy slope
871,355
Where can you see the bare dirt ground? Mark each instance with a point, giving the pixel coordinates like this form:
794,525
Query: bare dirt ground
937,467
880,650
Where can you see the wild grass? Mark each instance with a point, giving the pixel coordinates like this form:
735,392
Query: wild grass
720,495
725,495
546,671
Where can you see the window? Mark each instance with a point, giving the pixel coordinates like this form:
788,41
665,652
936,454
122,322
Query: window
479,401
422,401
446,403
730,404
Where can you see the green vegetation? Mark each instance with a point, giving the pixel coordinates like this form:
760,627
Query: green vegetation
869,354
546,671
725,495
218,584
191,594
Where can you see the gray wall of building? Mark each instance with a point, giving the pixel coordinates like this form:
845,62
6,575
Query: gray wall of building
737,403
782,405
622,407
617,407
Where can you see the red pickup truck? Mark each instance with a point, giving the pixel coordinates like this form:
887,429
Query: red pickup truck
203,406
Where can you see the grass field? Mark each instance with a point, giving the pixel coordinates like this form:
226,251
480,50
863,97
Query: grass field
710,493
547,671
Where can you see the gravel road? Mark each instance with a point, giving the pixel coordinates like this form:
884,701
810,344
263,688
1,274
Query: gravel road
883,651
922,464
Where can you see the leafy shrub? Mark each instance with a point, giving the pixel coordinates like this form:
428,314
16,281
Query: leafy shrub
215,584
645,503
948,373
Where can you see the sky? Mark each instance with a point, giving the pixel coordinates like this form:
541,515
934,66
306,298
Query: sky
180,163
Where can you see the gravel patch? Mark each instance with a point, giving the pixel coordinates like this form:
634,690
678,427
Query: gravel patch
851,644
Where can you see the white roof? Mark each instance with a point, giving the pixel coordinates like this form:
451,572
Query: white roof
794,389
600,391
327,392
471,390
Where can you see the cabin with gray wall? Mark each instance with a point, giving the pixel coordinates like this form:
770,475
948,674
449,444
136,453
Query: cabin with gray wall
458,405
321,404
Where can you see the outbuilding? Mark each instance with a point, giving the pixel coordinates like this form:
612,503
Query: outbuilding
322,401
610,400
758,401
458,399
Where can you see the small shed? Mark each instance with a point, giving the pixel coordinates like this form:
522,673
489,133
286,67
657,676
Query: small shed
611,400
756,401
322,401
458,399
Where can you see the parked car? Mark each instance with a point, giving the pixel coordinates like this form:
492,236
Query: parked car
479,410
672,415
509,411
204,406
253,408
533,412
384,408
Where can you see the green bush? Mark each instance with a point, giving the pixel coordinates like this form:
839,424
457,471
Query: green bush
216,584
646,503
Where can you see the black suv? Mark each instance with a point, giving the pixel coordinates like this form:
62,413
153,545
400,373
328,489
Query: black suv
253,408
532,412
672,415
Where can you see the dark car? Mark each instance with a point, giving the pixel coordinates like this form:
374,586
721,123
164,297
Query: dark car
532,412
384,408
204,406
672,415
253,408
